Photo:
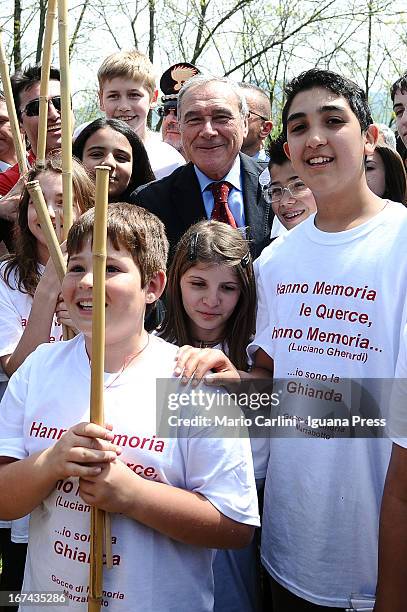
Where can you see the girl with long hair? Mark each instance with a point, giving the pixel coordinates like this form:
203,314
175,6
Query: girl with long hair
211,294
386,174
112,143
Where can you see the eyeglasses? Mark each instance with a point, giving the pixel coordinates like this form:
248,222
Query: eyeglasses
32,109
257,115
164,111
275,194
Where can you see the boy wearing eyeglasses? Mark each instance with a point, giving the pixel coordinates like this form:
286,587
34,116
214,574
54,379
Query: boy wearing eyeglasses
290,198
127,92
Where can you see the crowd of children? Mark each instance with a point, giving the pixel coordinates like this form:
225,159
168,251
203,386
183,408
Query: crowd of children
322,312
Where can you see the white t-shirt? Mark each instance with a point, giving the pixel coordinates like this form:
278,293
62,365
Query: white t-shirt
322,496
164,158
149,568
15,308
397,425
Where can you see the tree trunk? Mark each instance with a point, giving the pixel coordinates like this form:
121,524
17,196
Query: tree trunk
17,35
151,38
41,28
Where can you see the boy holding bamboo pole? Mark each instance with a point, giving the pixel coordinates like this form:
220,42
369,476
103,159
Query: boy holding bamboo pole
170,498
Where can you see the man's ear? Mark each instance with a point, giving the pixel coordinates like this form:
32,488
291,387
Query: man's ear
287,150
266,128
153,102
245,126
371,137
155,287
101,105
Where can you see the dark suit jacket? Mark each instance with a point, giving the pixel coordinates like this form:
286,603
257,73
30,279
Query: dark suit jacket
177,200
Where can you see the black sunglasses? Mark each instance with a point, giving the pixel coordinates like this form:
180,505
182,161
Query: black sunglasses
164,111
32,109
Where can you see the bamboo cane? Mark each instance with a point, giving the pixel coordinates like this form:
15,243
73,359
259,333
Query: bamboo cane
47,228
11,111
66,115
51,239
44,84
97,371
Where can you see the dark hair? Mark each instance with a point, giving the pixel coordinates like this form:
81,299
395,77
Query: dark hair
213,243
25,260
395,174
130,226
399,85
276,152
141,170
22,80
334,82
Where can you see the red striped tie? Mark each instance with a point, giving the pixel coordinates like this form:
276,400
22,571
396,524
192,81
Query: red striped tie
221,210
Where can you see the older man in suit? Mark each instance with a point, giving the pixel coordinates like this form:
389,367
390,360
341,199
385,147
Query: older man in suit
218,182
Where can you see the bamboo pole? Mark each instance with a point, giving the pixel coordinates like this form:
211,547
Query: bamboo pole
97,372
66,115
51,239
44,84
47,228
11,111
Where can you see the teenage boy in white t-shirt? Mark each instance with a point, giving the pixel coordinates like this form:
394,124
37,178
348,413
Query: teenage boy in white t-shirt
171,499
331,306
332,295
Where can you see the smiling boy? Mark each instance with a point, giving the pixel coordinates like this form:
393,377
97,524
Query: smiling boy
322,492
291,200
171,499
127,92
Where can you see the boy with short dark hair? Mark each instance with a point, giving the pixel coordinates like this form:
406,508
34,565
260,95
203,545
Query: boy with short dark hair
127,92
331,306
171,499
291,200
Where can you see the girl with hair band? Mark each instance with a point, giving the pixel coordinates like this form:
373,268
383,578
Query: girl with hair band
386,174
112,143
211,303
32,312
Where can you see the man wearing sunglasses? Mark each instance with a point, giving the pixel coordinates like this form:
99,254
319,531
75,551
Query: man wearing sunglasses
7,151
259,121
170,83
26,91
